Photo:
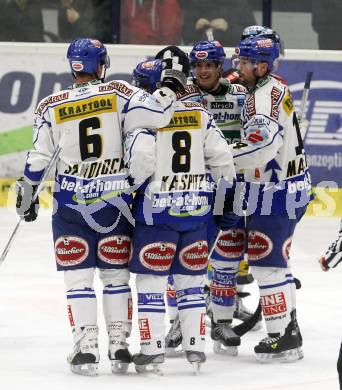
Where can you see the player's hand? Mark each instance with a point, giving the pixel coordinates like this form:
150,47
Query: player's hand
26,208
176,68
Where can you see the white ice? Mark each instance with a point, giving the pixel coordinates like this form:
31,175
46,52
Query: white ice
35,337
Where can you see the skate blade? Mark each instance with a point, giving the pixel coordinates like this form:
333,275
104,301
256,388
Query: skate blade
89,369
119,367
173,352
224,350
289,356
152,368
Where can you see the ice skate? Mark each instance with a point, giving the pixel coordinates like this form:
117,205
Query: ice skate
277,348
196,359
118,352
120,360
243,314
174,339
300,338
85,357
148,363
225,340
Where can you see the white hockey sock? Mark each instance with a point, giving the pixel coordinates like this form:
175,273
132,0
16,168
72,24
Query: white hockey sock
151,313
81,298
191,308
117,299
275,296
223,289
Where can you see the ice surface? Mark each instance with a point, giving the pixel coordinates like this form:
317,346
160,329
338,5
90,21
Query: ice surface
35,337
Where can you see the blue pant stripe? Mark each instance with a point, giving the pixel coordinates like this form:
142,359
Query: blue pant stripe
151,310
190,306
127,290
81,296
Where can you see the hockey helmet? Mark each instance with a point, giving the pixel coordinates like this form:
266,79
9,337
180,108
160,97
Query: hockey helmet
207,51
265,32
259,49
85,55
147,74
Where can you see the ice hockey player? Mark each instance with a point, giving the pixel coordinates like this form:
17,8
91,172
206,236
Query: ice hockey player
273,158
225,103
91,227
331,258
170,236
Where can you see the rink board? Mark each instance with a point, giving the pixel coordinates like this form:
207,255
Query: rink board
30,72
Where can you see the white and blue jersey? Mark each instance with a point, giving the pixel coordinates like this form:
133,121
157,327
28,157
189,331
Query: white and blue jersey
90,167
179,190
271,153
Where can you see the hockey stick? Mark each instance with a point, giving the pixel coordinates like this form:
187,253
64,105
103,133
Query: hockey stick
302,109
35,195
249,324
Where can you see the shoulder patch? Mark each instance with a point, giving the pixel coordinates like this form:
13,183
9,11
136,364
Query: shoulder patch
189,90
51,99
116,85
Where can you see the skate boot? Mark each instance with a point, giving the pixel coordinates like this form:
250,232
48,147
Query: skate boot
118,352
195,358
148,363
276,348
296,326
225,340
242,313
173,339
85,357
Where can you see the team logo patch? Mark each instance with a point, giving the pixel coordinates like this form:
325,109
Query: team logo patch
157,256
195,256
201,55
259,245
231,243
114,249
273,304
144,329
77,66
71,250
286,248
264,43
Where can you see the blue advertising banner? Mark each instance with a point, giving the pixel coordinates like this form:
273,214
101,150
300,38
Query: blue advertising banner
323,138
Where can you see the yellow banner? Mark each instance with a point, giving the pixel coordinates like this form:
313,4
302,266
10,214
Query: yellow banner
85,108
186,120
327,202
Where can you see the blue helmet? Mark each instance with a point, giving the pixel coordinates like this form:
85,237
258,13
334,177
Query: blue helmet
259,49
147,74
207,51
265,32
85,55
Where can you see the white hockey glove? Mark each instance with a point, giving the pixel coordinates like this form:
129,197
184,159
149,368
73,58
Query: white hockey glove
333,255
176,68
